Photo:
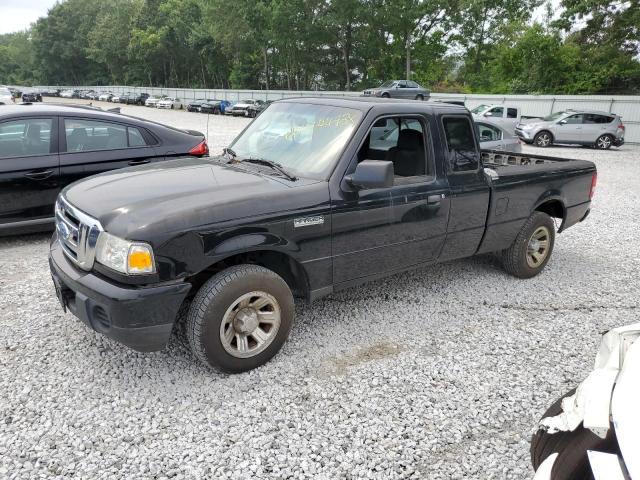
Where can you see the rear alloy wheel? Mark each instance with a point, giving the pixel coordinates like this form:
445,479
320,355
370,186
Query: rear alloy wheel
543,139
532,248
240,318
604,142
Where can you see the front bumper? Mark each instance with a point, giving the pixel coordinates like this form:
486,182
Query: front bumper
141,318
524,135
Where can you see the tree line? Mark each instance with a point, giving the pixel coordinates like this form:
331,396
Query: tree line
484,46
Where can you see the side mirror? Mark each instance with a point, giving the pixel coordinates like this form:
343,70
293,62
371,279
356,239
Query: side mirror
488,114
371,174
562,122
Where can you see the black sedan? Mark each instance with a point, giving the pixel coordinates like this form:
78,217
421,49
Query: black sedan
196,105
43,148
136,98
31,97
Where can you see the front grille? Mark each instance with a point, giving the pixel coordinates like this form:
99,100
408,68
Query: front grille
78,234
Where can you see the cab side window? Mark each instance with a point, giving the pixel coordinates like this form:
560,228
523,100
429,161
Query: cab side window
402,141
463,156
25,137
512,113
497,111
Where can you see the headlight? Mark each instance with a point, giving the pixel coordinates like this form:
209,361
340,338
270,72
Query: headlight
527,127
131,258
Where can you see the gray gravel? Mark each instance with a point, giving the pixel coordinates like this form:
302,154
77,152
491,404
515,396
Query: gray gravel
440,373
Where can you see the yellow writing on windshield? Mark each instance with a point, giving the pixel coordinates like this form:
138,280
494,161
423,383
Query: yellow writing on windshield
346,119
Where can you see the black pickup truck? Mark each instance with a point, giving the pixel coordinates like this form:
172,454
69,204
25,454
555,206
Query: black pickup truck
314,196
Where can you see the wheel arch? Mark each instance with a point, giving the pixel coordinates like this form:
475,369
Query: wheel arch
276,260
554,206
546,130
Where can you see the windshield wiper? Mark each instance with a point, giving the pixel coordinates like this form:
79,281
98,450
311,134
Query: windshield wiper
274,165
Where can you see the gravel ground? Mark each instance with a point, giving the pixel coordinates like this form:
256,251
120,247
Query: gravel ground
439,373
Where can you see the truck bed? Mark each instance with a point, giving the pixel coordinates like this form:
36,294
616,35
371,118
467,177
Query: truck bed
511,164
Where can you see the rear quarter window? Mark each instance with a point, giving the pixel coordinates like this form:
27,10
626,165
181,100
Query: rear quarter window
461,144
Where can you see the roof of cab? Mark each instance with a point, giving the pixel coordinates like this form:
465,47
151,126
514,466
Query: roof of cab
367,103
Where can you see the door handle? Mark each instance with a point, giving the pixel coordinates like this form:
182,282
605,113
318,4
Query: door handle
434,199
39,175
139,162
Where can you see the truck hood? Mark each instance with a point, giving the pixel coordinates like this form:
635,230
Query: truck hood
153,200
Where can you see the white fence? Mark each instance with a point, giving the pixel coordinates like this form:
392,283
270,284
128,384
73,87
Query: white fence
532,105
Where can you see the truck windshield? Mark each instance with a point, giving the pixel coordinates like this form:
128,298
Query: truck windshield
306,139
480,108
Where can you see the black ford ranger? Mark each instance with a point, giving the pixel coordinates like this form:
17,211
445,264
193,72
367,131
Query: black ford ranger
315,195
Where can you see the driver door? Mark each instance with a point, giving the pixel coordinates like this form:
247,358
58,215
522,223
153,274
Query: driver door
569,129
389,229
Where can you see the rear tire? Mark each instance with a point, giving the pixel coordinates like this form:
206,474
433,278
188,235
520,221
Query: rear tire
572,462
240,318
532,248
543,139
604,142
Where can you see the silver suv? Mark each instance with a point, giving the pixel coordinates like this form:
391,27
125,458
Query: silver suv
581,127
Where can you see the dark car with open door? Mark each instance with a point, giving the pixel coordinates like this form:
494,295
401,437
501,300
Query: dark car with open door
44,148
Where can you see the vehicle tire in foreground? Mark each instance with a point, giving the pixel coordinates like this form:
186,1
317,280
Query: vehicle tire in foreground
385,95
543,139
604,142
572,462
420,97
240,318
532,248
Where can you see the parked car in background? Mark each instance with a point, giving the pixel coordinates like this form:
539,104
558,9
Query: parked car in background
70,94
216,107
6,98
399,89
15,92
494,137
105,97
53,92
87,94
94,96
153,100
504,115
116,97
170,102
124,98
593,431
255,109
574,127
137,98
243,108
32,96
44,147
194,105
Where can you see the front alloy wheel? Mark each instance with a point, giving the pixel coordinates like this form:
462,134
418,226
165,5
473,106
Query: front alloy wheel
240,318
543,139
250,324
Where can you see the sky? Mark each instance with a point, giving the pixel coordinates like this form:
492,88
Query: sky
19,14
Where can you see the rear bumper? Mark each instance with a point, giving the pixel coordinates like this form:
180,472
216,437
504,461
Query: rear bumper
140,318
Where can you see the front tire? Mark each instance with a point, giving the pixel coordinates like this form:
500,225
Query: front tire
572,462
420,97
385,95
240,318
604,142
532,248
543,139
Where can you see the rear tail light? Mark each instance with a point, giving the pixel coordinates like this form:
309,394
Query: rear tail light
594,181
200,149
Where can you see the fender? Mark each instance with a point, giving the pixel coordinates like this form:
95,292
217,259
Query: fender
553,196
